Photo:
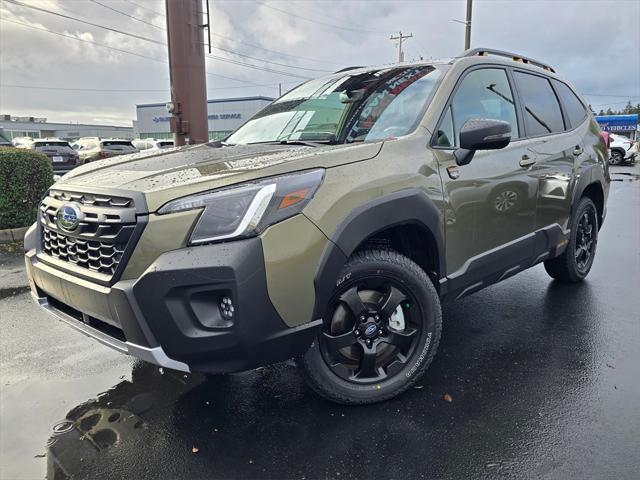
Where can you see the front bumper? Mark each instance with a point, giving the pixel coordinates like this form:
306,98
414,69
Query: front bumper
170,315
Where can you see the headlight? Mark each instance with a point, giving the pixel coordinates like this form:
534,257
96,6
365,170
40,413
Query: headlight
246,210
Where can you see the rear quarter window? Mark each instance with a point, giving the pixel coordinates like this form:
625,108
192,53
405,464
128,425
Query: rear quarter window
574,108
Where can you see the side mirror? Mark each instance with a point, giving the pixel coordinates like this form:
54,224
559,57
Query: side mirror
481,134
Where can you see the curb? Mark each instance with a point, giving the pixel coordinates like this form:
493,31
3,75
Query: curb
12,235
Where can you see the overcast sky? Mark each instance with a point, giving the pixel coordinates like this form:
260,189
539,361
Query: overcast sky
594,44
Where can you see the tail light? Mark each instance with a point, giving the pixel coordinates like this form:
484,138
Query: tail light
102,154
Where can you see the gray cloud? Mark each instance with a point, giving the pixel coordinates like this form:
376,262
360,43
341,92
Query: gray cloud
594,44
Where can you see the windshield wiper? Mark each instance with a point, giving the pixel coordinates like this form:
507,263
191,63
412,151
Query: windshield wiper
306,143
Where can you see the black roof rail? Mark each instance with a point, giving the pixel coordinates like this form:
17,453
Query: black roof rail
480,52
348,68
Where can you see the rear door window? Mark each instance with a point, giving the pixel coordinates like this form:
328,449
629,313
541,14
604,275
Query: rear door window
53,146
483,93
542,114
573,107
118,145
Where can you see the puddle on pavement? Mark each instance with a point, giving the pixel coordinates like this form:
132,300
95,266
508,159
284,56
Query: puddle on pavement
13,291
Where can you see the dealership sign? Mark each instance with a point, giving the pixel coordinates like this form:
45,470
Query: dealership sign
213,116
618,123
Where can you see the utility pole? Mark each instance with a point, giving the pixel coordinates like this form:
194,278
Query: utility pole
467,28
401,37
188,106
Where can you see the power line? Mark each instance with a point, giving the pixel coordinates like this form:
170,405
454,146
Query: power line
253,45
233,52
128,15
120,50
111,90
2,19
145,8
119,90
312,20
611,96
147,39
44,10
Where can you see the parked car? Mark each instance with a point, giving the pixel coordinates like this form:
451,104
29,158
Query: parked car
4,141
94,148
151,144
63,157
623,149
331,225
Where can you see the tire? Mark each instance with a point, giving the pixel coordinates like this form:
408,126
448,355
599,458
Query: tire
402,344
575,262
617,157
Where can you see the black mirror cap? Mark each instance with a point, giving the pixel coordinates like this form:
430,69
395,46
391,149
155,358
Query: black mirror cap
484,134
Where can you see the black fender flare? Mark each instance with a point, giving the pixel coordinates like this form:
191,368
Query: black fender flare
406,207
590,176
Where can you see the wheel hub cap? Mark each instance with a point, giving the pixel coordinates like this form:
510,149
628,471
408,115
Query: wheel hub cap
370,330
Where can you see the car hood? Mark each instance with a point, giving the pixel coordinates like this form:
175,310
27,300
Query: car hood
167,174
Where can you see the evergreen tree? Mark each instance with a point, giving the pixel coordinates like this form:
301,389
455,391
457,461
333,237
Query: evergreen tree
601,112
628,108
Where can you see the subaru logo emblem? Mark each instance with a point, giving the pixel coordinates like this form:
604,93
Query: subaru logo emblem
68,217
370,330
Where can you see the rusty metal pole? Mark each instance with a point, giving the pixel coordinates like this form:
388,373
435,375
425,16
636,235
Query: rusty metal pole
467,28
189,123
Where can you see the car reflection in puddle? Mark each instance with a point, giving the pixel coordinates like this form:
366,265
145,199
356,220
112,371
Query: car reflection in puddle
159,410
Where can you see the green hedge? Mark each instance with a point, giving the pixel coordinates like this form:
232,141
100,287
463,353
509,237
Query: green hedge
25,176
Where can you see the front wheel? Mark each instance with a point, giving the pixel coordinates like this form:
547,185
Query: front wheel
381,331
575,262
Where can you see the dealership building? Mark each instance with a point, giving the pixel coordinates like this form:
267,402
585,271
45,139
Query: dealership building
225,115
37,127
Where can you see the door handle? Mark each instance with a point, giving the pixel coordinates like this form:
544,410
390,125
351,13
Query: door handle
526,161
578,151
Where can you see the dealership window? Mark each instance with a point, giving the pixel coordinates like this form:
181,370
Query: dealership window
22,133
542,113
219,135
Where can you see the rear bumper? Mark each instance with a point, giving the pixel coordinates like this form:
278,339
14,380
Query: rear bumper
170,315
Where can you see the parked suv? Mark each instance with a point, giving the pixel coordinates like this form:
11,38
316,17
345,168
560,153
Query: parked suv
623,149
331,225
151,144
94,148
63,157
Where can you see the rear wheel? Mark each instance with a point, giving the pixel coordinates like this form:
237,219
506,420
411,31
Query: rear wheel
382,328
576,261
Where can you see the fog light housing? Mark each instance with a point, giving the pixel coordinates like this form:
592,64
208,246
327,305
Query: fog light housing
227,308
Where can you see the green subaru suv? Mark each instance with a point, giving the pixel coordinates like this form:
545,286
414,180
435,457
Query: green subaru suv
330,226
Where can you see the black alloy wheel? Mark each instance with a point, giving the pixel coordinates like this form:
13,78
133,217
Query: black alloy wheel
375,325
576,261
381,330
585,240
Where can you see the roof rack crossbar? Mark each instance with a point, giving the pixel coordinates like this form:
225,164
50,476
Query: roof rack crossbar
472,52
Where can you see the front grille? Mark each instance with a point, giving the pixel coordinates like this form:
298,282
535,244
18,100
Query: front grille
100,241
95,255
91,199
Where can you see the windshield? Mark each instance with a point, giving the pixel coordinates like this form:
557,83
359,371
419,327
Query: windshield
370,106
167,144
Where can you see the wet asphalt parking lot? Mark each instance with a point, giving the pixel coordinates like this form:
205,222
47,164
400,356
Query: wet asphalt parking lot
543,378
